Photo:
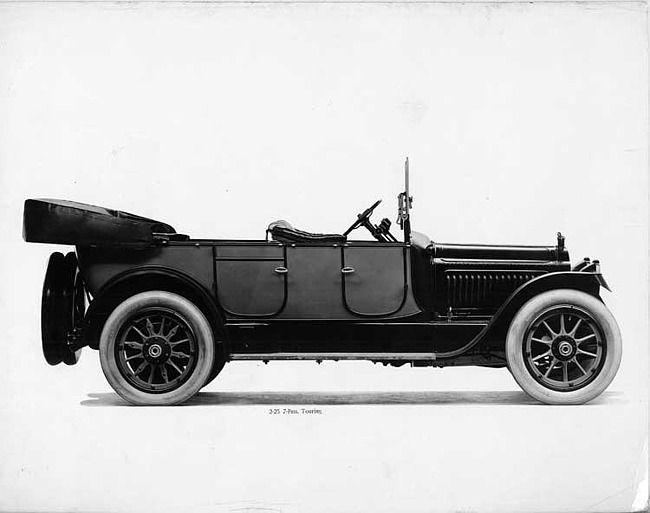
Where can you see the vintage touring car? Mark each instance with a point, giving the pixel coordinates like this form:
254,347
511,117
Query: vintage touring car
167,312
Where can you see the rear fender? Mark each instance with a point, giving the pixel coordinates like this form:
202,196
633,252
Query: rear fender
147,278
495,332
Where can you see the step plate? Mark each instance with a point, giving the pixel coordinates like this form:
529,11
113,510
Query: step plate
333,356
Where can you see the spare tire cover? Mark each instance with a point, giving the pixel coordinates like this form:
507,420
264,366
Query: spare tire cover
60,290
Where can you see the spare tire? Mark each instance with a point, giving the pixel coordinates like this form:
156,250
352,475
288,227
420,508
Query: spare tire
60,308
77,296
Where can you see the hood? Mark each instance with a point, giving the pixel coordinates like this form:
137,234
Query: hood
501,252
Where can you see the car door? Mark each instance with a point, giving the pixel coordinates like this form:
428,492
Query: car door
314,282
375,277
251,278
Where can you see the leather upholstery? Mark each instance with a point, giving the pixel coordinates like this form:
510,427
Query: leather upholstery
282,231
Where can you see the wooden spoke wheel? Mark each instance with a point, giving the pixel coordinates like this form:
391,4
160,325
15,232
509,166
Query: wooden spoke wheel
563,347
157,348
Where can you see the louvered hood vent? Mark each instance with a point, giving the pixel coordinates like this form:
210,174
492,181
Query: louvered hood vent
477,289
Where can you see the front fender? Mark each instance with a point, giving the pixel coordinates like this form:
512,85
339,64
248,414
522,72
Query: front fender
497,329
494,334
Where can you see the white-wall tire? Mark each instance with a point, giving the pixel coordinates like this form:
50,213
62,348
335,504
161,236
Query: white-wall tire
164,335
552,375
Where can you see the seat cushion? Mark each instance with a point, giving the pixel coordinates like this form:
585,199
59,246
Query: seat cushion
282,231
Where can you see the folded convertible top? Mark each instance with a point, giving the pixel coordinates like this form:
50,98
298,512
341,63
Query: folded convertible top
56,221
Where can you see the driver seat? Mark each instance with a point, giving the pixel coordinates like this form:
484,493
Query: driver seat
282,231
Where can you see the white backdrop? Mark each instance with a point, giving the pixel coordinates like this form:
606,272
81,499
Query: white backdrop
519,120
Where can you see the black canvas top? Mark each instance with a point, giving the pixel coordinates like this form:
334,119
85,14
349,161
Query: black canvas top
57,221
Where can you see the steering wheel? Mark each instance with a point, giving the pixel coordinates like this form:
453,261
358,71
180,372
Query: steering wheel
362,218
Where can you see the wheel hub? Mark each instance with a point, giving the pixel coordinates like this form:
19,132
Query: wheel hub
564,347
156,350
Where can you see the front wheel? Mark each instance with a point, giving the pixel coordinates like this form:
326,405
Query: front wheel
563,347
157,348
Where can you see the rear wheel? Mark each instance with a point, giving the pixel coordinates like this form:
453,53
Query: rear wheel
157,348
564,347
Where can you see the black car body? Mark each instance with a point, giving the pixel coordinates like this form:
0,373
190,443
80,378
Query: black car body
304,296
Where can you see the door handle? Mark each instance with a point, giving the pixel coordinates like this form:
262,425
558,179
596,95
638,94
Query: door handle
347,270
281,270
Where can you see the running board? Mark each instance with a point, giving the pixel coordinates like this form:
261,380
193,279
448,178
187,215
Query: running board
333,356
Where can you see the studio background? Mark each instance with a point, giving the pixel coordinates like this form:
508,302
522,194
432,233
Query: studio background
520,120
